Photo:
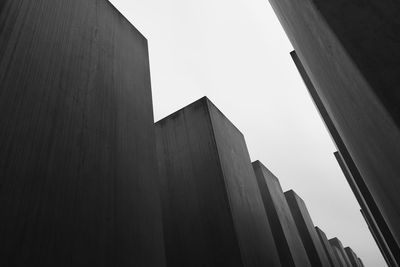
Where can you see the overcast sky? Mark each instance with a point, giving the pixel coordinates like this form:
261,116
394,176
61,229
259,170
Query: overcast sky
236,53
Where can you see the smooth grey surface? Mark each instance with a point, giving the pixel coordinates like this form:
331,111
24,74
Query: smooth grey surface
287,239
336,243
327,247
305,226
356,74
212,208
77,152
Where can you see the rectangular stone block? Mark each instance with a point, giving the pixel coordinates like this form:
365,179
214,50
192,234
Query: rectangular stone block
287,239
305,226
356,75
77,149
213,213
337,244
327,248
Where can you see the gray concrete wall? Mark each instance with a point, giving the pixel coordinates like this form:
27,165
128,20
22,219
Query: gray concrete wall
305,226
287,239
356,75
77,152
212,209
327,248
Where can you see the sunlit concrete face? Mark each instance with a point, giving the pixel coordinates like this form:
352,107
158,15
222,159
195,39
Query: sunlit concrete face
212,208
77,151
356,75
287,239
305,226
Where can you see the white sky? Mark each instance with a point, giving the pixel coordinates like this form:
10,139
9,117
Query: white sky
236,53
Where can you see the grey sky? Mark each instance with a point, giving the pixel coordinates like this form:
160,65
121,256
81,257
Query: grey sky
236,53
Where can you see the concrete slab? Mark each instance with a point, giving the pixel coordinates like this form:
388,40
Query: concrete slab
212,208
352,257
305,226
287,239
335,242
327,247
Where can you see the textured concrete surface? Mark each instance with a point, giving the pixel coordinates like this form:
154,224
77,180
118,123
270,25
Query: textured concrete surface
305,226
77,151
350,170
327,248
352,257
287,239
212,208
335,242
356,75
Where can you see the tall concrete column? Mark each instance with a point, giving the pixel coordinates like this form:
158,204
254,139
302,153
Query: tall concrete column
287,239
212,208
305,226
327,247
77,150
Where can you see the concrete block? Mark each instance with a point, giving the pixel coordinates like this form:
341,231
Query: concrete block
327,248
287,239
352,257
212,208
77,150
336,243
305,226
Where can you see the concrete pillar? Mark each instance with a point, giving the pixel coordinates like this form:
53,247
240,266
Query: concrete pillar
356,76
287,239
352,257
305,226
77,150
335,242
212,208
327,248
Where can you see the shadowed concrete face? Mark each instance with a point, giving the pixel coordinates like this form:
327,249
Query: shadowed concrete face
327,248
212,208
335,242
339,257
360,262
77,151
356,75
287,239
305,226
352,257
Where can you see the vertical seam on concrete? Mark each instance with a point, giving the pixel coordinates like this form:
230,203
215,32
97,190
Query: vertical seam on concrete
208,107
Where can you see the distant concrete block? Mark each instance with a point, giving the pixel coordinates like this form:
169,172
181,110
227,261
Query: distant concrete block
287,239
327,248
360,262
335,242
213,213
305,226
352,257
339,257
